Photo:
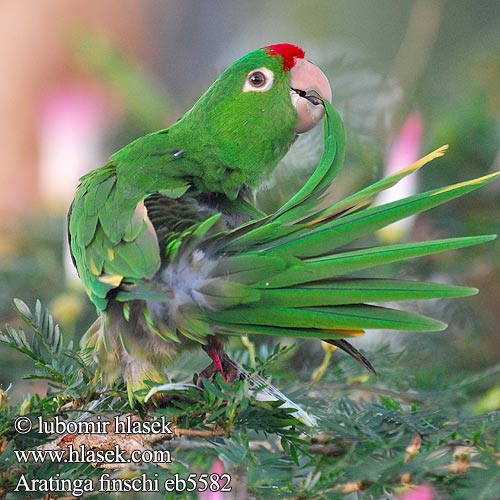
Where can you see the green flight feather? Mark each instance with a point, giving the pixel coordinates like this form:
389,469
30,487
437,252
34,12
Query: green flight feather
367,195
311,241
235,329
322,319
225,294
306,248
358,290
329,165
248,268
355,260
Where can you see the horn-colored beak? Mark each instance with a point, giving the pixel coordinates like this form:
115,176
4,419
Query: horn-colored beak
307,82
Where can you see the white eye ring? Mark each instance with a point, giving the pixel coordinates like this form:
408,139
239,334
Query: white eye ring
259,80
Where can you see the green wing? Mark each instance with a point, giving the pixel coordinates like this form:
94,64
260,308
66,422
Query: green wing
111,237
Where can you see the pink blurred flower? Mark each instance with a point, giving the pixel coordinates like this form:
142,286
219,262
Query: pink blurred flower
422,492
403,152
70,143
70,135
405,148
217,468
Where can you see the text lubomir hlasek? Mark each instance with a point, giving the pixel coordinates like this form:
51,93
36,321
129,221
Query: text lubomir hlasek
119,425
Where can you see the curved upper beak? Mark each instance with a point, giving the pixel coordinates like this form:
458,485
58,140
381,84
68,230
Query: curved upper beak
308,86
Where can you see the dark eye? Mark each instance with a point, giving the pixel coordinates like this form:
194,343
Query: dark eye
257,79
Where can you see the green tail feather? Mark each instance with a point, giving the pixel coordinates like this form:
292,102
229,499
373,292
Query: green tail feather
291,274
339,264
358,290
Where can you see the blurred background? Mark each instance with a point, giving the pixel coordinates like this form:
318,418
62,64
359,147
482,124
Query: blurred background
82,78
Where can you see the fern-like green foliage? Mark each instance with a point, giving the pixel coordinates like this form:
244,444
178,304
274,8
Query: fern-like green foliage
375,438
68,371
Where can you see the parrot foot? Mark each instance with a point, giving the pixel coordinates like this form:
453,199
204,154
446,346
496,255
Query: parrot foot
221,363
229,372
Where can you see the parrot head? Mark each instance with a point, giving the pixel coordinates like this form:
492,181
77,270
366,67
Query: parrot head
253,112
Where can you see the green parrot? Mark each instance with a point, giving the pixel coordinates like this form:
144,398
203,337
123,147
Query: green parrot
174,254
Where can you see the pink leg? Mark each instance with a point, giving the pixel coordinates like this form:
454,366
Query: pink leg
217,362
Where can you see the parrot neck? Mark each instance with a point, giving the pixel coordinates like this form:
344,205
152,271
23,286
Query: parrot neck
232,155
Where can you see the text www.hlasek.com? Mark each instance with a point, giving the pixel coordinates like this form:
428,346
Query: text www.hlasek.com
82,454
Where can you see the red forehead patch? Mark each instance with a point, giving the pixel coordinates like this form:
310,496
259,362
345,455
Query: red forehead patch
287,51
